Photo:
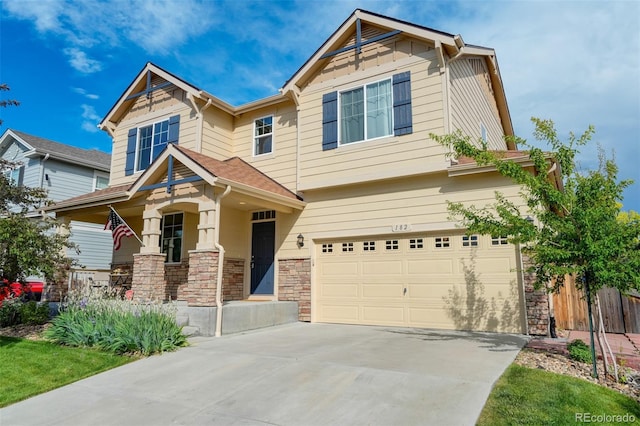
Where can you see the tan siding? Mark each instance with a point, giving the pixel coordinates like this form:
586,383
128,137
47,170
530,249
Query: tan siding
373,208
217,130
407,154
281,163
472,102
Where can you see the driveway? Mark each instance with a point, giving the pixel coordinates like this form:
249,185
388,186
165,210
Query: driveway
296,374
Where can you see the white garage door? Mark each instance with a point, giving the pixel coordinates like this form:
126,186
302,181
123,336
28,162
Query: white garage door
445,281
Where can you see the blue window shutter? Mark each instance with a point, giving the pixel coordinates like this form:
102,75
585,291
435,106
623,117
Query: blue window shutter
174,129
330,121
402,120
131,151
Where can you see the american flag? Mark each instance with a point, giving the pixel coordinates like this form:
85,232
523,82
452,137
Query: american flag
118,229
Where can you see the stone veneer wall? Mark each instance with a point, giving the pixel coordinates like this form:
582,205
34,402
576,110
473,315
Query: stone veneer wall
537,302
233,279
200,289
175,275
294,277
147,281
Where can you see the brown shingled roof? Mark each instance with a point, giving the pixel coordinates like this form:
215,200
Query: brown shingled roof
237,170
502,154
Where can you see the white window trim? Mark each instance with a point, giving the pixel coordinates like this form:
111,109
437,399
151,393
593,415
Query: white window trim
364,87
140,126
96,175
273,134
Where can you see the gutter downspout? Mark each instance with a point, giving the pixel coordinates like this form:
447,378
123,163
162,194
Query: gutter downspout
42,160
220,262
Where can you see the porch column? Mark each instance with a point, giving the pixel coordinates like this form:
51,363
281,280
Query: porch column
148,281
151,231
203,261
206,226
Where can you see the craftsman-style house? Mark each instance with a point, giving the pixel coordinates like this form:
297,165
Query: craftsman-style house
330,193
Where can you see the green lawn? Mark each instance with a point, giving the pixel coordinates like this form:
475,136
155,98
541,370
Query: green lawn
524,396
28,368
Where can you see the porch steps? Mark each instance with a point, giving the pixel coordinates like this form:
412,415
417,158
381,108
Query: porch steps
237,316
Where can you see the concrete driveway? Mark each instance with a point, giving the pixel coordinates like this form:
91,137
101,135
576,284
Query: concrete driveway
297,374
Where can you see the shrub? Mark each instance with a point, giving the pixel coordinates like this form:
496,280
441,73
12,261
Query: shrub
14,311
579,351
34,313
115,325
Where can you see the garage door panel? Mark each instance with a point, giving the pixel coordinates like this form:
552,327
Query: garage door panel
429,266
428,292
383,314
347,314
379,267
340,269
382,290
337,290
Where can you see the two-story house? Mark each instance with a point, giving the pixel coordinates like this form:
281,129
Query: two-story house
64,171
330,193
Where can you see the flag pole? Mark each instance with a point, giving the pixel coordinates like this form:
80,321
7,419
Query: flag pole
127,225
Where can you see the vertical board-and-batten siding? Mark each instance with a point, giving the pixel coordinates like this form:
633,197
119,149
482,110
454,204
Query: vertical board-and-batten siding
472,103
280,164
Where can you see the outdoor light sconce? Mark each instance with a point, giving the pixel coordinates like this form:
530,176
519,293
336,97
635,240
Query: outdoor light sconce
529,219
300,241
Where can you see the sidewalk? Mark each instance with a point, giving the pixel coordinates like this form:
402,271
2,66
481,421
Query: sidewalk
625,346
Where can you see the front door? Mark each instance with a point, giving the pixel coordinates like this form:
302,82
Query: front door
262,253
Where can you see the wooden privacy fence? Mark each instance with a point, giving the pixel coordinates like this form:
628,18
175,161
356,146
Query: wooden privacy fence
620,314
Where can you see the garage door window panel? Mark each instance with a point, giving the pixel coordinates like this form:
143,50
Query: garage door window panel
442,242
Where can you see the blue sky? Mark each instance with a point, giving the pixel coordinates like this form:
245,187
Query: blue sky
67,62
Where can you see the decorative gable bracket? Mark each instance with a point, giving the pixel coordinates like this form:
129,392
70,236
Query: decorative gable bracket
171,181
149,88
359,42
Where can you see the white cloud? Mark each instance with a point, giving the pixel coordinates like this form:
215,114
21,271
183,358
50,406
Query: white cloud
91,119
83,92
80,62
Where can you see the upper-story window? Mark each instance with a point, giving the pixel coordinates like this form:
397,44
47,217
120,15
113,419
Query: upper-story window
145,143
151,140
375,110
14,175
100,181
263,135
365,112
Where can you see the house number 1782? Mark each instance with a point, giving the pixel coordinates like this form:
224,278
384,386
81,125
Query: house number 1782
400,227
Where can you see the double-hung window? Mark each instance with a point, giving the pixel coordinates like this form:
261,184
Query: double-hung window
171,240
263,135
375,110
145,143
13,175
366,112
151,140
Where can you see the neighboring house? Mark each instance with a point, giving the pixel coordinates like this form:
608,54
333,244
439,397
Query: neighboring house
64,171
331,193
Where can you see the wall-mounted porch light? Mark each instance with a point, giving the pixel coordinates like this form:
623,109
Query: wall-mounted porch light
300,241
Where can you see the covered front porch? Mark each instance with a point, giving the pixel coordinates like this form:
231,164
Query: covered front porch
207,232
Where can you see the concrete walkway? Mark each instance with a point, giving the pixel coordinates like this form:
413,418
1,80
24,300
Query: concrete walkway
296,374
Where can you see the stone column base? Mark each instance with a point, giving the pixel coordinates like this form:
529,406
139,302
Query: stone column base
294,284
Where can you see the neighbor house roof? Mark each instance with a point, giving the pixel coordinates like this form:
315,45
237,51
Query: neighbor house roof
63,152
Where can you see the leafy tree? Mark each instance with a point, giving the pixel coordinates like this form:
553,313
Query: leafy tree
29,243
576,230
6,102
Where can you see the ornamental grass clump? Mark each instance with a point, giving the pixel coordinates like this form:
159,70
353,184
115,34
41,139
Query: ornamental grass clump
90,318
